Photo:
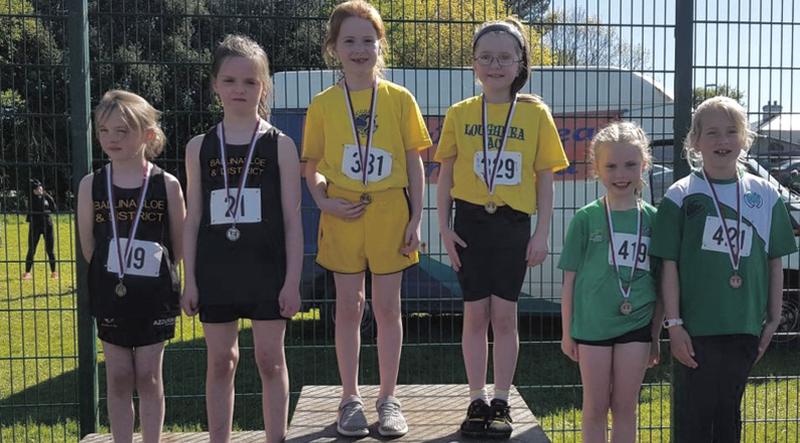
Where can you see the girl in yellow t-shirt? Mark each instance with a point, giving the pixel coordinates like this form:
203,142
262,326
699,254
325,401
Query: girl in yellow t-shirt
498,152
361,144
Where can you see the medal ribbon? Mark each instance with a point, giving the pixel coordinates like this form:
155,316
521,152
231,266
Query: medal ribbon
224,160
363,154
625,290
113,213
490,179
734,253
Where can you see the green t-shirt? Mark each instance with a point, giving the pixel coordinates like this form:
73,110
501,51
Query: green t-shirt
687,230
597,297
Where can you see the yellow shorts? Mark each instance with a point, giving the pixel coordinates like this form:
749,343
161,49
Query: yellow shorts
372,241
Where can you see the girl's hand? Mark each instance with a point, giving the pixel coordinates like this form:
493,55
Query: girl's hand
680,343
189,299
289,300
537,249
411,237
655,353
450,240
569,347
766,337
342,208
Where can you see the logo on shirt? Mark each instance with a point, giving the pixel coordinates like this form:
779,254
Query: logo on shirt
597,237
164,322
362,123
753,199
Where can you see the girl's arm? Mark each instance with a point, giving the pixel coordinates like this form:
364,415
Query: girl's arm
318,185
177,215
537,246
416,191
194,210
289,298
444,204
568,345
655,330
86,217
680,341
774,305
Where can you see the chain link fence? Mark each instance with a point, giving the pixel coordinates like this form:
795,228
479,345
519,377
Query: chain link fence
596,61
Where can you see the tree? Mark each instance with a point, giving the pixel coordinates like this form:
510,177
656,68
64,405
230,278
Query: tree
529,10
700,94
576,38
438,33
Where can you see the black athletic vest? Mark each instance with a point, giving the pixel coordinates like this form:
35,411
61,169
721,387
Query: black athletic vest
147,297
253,268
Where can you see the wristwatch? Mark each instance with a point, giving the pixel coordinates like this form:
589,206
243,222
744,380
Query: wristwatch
670,322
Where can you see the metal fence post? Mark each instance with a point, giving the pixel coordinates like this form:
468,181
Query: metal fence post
80,136
684,53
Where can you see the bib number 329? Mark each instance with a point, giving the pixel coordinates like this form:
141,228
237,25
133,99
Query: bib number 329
509,167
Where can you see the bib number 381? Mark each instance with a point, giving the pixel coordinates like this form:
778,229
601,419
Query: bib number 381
379,164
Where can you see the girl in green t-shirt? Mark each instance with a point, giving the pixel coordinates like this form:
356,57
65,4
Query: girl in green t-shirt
609,308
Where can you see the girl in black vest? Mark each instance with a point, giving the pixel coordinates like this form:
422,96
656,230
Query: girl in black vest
42,205
131,212
243,236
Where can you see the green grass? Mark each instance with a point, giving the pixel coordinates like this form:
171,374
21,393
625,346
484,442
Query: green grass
38,362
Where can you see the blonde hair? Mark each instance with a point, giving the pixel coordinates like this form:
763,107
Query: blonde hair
138,115
733,110
514,28
622,132
360,9
242,46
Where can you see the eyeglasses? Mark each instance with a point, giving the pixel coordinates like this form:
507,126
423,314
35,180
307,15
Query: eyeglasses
502,59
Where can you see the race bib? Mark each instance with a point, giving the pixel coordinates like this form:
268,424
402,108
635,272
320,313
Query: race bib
714,237
144,258
627,250
509,169
223,206
379,163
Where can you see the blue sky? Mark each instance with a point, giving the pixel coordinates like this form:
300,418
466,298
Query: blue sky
755,56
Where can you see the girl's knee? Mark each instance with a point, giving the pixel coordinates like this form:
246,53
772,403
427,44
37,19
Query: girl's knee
222,364
271,363
623,408
350,308
595,410
120,381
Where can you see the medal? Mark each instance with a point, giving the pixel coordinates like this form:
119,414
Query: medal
732,241
120,288
735,281
489,179
626,307
233,233
363,153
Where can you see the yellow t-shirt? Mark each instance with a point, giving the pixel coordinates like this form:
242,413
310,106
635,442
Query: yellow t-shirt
398,126
533,145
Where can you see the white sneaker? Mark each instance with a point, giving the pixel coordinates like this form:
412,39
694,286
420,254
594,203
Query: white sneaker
391,422
352,422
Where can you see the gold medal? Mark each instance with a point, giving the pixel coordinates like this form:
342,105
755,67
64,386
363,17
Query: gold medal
233,233
120,290
735,281
626,308
490,207
365,199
